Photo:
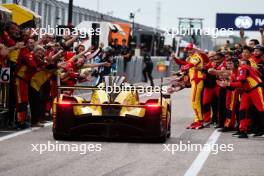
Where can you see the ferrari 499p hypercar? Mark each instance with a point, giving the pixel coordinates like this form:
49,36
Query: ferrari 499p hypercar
111,114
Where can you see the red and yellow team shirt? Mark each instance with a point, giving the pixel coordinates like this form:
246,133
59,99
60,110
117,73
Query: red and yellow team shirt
247,79
26,65
254,61
9,42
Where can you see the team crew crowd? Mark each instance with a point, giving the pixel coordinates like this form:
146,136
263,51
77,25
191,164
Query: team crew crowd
35,64
227,87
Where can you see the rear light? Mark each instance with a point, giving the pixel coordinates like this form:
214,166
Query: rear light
152,109
152,105
65,103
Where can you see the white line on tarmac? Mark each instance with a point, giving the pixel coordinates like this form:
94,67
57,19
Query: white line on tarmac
203,155
6,131
23,132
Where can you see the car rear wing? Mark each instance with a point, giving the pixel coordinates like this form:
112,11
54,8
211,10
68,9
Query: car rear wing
107,104
128,88
132,88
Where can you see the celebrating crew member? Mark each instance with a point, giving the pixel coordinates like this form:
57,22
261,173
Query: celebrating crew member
232,95
71,74
212,95
257,59
252,96
11,38
196,59
26,67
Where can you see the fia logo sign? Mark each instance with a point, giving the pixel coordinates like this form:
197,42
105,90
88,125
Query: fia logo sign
244,22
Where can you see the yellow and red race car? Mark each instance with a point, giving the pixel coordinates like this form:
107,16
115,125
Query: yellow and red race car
111,114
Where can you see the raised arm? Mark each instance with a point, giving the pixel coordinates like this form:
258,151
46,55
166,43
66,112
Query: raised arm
70,41
261,30
242,37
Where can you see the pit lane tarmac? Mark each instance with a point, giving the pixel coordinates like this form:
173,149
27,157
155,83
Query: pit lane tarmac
133,158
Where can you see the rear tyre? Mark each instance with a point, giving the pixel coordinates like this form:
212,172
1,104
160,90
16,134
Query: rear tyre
61,137
169,125
162,139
